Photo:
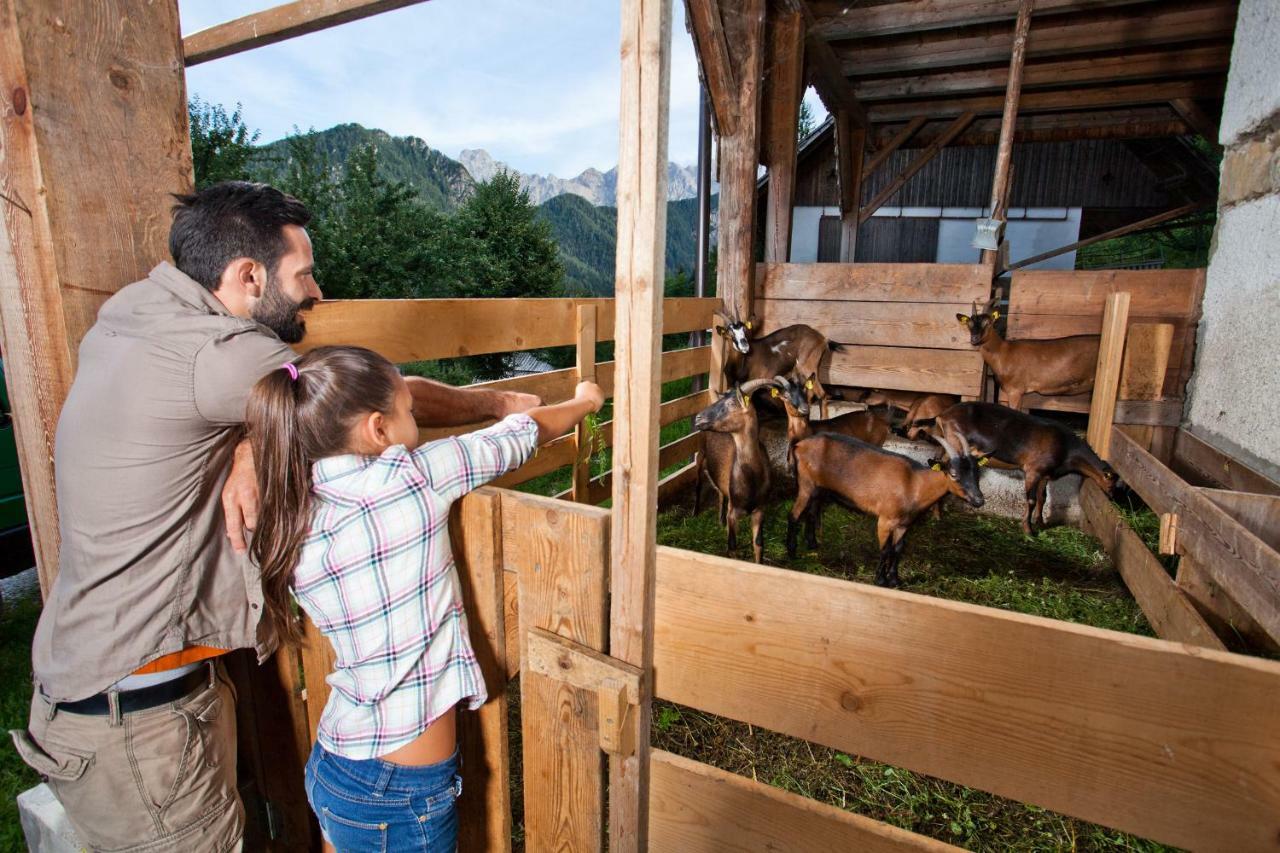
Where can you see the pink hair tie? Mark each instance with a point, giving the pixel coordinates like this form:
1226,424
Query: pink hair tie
291,369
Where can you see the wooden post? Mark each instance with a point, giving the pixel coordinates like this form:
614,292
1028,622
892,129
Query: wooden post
642,209
85,206
1146,360
1004,149
1102,409
851,143
586,369
784,87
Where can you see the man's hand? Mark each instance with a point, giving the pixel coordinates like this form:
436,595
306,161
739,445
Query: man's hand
240,497
515,402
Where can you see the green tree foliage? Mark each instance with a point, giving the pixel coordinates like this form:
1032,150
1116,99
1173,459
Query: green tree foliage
806,124
221,144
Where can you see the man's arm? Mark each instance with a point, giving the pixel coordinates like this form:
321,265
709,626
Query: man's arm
438,405
240,497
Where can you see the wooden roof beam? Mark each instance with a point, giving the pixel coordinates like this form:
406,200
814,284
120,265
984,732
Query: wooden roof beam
1149,64
899,139
835,18
1075,99
712,48
1121,123
1199,120
1117,29
922,159
279,23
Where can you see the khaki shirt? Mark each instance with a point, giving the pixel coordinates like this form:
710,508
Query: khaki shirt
144,445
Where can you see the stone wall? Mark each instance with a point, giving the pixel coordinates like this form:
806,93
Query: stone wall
1234,395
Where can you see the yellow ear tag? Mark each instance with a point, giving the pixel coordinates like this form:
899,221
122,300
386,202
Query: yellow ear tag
773,392
982,462
964,319
748,325
808,386
937,466
995,315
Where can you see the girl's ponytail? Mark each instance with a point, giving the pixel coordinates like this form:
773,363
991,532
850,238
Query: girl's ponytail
297,415
284,493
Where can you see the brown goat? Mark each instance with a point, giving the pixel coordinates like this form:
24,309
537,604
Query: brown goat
893,488
1057,366
793,351
736,462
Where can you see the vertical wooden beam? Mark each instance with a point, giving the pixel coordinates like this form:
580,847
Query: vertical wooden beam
1004,149
1106,383
642,208
1146,360
851,145
586,368
714,61
85,207
484,815
784,87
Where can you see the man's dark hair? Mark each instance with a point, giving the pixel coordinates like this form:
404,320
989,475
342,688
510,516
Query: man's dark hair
233,219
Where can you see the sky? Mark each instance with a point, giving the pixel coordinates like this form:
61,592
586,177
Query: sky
534,84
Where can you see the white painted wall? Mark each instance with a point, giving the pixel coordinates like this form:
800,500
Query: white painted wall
1030,232
804,232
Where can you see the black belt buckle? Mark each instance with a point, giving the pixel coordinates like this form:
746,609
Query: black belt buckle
142,699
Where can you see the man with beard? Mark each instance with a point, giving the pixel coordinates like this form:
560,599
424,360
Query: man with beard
132,720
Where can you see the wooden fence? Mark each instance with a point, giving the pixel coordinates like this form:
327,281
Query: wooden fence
897,320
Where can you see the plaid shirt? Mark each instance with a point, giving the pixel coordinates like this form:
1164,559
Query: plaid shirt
377,577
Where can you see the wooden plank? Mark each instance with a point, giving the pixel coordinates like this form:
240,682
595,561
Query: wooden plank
1259,513
1220,610
484,815
838,19
895,324
937,371
784,88
550,457
1078,403
712,52
1001,181
278,23
511,618
1233,556
851,143
1127,731
1170,613
908,130
1199,120
945,283
423,329
1154,293
641,264
919,162
1102,405
676,483
1116,95
1151,413
586,371
560,553
698,808
1146,359
1196,460
583,667
85,208
317,659
1207,59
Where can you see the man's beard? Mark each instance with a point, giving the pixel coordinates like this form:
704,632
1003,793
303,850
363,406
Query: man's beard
279,313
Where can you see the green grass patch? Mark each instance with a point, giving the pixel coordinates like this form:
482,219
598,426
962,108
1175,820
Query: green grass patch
17,625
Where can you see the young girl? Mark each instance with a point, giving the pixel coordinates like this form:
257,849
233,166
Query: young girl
354,519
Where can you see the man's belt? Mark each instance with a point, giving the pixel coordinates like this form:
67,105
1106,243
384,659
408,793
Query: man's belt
141,699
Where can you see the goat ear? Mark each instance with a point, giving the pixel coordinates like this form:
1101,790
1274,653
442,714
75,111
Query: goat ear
721,331
963,318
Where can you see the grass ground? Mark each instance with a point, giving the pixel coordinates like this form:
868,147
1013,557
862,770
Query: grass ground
17,625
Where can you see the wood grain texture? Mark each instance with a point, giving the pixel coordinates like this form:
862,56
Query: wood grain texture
1169,611
936,371
278,23
585,368
837,19
1219,609
1232,555
943,283
783,89
1259,513
422,329
560,553
641,264
698,808
1199,462
851,145
317,658
1013,90
895,324
1153,293
713,59
484,815
1106,383
85,208
1175,744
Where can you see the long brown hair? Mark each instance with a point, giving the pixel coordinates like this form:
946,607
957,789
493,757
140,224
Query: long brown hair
292,424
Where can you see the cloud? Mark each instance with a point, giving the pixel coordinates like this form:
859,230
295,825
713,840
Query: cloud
535,84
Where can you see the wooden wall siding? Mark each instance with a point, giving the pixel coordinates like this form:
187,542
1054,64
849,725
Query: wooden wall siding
1055,304
884,239
897,320
1086,173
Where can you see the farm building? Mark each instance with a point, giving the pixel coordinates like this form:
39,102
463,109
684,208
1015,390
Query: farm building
1171,738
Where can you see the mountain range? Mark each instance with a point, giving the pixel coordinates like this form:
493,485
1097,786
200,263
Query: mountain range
580,210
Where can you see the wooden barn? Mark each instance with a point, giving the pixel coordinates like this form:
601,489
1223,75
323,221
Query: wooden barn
1173,739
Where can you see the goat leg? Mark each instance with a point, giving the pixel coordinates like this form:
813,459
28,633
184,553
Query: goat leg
812,520
1032,486
1041,494
803,496
899,545
724,511
757,535
731,546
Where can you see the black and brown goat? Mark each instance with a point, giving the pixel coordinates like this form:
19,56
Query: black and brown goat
1056,366
793,351
736,462
865,425
1043,449
893,488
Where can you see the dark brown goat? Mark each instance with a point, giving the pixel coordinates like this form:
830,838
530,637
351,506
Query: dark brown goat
792,351
893,488
736,462
1057,366
1043,449
865,426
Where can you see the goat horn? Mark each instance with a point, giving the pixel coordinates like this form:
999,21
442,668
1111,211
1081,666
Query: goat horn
780,381
951,451
749,388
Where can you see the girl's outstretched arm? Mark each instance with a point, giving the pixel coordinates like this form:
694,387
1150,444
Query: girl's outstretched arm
555,421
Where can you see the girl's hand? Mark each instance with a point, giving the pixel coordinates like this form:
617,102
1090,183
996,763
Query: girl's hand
590,392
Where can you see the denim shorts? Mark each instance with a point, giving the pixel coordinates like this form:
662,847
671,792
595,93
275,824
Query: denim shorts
374,805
